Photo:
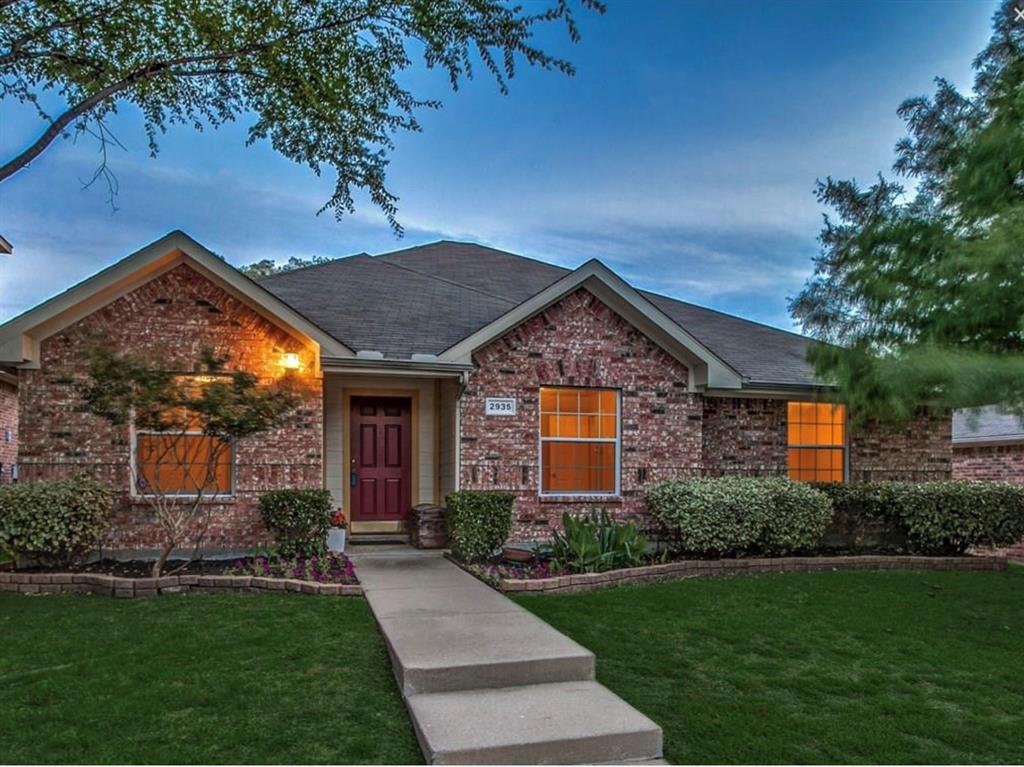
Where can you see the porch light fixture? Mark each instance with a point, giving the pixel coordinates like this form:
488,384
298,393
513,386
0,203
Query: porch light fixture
290,361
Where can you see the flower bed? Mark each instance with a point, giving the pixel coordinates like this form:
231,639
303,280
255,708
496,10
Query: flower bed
329,568
495,574
511,579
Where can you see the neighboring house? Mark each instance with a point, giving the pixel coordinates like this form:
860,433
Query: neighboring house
988,444
446,366
8,427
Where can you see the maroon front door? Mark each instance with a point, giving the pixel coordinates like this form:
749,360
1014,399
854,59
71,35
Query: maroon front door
381,459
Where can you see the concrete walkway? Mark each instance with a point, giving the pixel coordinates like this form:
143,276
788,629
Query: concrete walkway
487,682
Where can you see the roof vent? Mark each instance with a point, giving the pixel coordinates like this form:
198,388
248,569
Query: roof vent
424,358
369,354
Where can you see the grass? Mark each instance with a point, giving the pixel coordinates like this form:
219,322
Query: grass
844,667
259,679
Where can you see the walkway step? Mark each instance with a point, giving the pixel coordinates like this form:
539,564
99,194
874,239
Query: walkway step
562,723
472,651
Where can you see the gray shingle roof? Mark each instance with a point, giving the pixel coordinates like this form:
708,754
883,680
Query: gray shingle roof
986,424
426,298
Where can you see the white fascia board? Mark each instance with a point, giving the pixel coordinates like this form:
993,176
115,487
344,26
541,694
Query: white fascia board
20,337
710,370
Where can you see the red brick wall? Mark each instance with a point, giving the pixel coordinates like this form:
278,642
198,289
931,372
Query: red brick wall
920,452
992,463
744,436
8,429
170,318
577,342
996,463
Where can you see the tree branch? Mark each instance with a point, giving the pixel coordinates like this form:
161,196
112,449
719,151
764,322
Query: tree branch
151,70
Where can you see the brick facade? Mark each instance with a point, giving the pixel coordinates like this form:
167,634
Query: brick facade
744,436
992,463
666,431
920,452
171,318
8,430
578,341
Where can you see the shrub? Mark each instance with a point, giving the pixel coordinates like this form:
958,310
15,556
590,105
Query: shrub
478,522
934,517
57,521
595,542
298,519
864,517
710,516
798,518
734,515
951,517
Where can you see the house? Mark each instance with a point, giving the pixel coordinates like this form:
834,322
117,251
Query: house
8,427
988,444
444,366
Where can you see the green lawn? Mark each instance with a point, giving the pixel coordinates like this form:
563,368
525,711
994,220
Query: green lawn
209,679
893,667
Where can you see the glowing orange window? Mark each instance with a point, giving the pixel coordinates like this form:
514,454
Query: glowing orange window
579,436
817,441
181,460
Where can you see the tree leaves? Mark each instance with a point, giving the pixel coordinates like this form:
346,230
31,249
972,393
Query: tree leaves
323,78
925,292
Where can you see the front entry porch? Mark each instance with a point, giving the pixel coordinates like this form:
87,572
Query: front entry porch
389,445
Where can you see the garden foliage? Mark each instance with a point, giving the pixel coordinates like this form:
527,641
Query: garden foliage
298,519
735,515
936,517
594,542
478,522
56,522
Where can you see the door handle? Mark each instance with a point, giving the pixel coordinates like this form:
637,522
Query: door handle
353,479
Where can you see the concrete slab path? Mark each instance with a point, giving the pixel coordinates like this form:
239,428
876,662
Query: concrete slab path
487,682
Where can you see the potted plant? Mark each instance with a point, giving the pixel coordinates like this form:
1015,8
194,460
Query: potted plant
336,533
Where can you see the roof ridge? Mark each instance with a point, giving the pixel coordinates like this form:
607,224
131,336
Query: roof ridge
445,280
540,261
328,262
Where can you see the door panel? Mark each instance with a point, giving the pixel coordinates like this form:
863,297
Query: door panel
381,460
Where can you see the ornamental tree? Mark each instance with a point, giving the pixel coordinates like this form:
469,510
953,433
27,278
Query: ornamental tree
923,291
185,426
321,79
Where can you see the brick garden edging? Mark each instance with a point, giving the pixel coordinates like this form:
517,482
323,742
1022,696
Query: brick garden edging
129,588
693,568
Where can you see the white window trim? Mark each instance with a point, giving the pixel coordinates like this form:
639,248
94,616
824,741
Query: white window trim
541,439
135,469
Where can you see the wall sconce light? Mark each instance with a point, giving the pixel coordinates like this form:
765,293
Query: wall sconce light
290,361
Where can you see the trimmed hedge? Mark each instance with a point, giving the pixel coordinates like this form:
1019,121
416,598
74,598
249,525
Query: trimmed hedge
934,517
479,522
298,519
734,515
55,521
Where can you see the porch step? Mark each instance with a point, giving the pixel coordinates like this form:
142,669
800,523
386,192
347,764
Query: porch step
377,539
558,723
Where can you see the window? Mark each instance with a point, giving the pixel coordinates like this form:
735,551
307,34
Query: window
817,441
183,461
579,441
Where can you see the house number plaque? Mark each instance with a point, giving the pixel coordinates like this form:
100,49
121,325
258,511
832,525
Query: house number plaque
500,406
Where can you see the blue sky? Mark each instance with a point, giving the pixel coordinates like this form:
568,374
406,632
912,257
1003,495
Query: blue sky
683,154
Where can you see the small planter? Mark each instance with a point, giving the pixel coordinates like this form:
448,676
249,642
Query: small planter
336,539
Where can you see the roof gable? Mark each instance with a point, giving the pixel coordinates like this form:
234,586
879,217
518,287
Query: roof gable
618,295
20,337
